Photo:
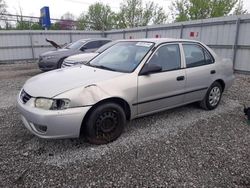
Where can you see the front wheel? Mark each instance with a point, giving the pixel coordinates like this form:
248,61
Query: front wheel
213,97
105,123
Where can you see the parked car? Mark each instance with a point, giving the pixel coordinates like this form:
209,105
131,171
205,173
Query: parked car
53,59
132,78
85,57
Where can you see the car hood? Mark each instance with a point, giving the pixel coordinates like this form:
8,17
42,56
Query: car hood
81,57
55,52
59,81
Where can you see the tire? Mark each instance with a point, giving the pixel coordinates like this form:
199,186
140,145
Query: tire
213,97
60,62
105,123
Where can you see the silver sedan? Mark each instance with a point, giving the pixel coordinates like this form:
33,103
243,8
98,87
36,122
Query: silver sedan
133,78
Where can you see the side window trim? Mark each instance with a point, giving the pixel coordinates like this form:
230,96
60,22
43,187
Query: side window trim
165,44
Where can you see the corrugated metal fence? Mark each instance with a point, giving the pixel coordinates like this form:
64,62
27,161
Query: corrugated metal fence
228,36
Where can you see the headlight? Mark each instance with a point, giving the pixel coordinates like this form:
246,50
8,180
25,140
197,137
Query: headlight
52,104
49,57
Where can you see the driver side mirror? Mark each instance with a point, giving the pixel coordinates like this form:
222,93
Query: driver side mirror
150,68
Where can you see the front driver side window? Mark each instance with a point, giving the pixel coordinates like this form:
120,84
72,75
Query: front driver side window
168,57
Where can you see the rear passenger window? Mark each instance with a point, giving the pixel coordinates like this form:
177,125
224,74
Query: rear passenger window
196,56
168,57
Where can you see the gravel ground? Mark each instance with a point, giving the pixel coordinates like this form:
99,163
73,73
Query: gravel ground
183,147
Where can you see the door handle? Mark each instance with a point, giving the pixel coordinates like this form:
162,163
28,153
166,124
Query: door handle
212,72
180,78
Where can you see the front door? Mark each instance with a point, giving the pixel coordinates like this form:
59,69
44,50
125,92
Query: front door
164,89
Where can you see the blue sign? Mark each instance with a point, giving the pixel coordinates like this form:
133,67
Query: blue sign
45,17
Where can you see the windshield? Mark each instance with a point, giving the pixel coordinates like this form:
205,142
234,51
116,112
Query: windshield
122,57
105,47
75,45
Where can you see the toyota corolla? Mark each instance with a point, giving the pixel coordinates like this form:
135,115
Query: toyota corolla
133,78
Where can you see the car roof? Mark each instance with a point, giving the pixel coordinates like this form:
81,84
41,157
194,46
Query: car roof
95,39
160,40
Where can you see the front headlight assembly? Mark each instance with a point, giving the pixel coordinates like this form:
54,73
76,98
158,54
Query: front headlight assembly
52,104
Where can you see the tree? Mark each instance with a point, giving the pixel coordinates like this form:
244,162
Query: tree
2,7
3,10
239,8
134,14
55,26
98,17
81,23
179,10
184,10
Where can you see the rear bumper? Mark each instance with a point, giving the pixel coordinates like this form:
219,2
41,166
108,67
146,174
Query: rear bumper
58,123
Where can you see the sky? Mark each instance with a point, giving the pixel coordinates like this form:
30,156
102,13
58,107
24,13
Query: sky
76,7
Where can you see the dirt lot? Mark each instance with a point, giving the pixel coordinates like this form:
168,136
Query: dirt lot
183,147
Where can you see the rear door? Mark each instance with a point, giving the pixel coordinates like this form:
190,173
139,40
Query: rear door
200,71
163,89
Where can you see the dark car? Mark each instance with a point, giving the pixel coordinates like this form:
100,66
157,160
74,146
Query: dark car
53,59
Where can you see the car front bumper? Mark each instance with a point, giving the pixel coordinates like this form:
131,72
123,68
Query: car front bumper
58,123
46,65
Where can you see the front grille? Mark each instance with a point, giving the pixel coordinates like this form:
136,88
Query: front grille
25,97
67,64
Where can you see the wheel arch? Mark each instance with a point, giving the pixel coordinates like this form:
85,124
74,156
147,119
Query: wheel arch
222,83
117,100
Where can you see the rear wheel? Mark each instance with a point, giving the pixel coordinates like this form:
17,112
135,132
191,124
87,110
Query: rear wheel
105,123
213,97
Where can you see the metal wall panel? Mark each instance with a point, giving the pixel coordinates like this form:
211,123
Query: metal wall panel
7,40
135,35
242,59
244,37
224,53
39,39
115,36
165,33
15,54
79,36
220,33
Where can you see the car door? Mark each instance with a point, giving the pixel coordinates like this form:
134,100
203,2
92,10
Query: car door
162,90
200,71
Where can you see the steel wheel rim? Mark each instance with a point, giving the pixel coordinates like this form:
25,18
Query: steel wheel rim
107,122
214,96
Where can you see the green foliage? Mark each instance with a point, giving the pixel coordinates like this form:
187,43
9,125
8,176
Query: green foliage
179,10
98,17
55,26
184,10
26,25
239,8
134,14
